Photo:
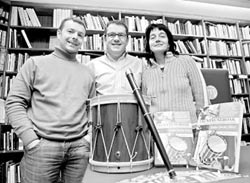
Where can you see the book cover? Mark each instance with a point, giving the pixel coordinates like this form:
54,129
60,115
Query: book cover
2,58
175,130
188,176
2,111
219,136
52,42
26,38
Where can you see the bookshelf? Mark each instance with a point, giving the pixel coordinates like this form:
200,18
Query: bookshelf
4,19
212,43
9,153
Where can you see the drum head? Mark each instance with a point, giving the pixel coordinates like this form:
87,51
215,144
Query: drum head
217,144
109,99
178,144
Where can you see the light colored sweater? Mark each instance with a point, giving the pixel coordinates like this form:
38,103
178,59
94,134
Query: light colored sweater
48,98
179,87
110,75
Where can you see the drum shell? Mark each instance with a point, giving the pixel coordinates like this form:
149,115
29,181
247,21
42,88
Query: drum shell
120,141
208,154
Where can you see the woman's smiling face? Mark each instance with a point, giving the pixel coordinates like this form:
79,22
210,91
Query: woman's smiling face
158,41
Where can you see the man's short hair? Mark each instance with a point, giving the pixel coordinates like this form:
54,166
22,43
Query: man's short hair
116,22
74,19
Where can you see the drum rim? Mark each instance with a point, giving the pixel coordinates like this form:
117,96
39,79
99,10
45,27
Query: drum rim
123,166
114,98
122,163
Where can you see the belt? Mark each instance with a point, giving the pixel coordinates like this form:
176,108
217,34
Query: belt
63,140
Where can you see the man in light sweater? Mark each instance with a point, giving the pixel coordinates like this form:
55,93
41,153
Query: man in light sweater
46,106
109,69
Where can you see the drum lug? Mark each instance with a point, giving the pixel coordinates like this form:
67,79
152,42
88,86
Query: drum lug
138,128
118,154
98,127
117,126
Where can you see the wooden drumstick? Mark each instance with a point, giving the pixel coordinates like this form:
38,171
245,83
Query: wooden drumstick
150,122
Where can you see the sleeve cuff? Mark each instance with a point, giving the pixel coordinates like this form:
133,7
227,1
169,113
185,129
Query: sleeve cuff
28,136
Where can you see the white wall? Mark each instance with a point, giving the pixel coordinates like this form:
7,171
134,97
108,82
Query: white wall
178,7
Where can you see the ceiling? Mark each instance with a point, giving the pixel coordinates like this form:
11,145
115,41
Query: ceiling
236,3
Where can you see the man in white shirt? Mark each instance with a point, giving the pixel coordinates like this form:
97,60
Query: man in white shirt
109,69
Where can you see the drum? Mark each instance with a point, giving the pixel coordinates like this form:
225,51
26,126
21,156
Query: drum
176,148
121,140
214,147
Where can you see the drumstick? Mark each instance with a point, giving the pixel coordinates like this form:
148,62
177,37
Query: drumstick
150,122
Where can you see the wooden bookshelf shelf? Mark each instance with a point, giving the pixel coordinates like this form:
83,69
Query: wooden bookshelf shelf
14,155
31,50
3,26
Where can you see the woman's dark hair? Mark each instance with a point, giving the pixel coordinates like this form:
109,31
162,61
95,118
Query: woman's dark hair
172,46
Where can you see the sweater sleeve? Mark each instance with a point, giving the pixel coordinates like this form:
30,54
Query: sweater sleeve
18,102
196,82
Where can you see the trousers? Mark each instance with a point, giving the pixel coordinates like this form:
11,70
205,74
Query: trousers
50,161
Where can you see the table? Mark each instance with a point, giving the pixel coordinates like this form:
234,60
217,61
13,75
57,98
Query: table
96,177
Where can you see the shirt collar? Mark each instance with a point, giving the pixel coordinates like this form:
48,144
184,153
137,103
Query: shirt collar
64,55
122,57
168,58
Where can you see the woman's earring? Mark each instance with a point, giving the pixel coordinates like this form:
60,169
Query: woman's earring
168,47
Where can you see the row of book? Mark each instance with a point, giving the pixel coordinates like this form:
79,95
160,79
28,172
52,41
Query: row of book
201,64
2,112
247,64
94,22
1,84
246,48
3,35
245,32
60,14
8,139
227,48
238,86
135,44
10,172
15,61
19,39
139,24
83,59
26,17
8,80
4,15
2,58
232,65
185,28
246,125
96,42
191,46
221,30
245,103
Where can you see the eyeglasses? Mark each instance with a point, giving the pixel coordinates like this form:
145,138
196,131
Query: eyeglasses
112,35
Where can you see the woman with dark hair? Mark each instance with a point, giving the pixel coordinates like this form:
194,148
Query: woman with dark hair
173,81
